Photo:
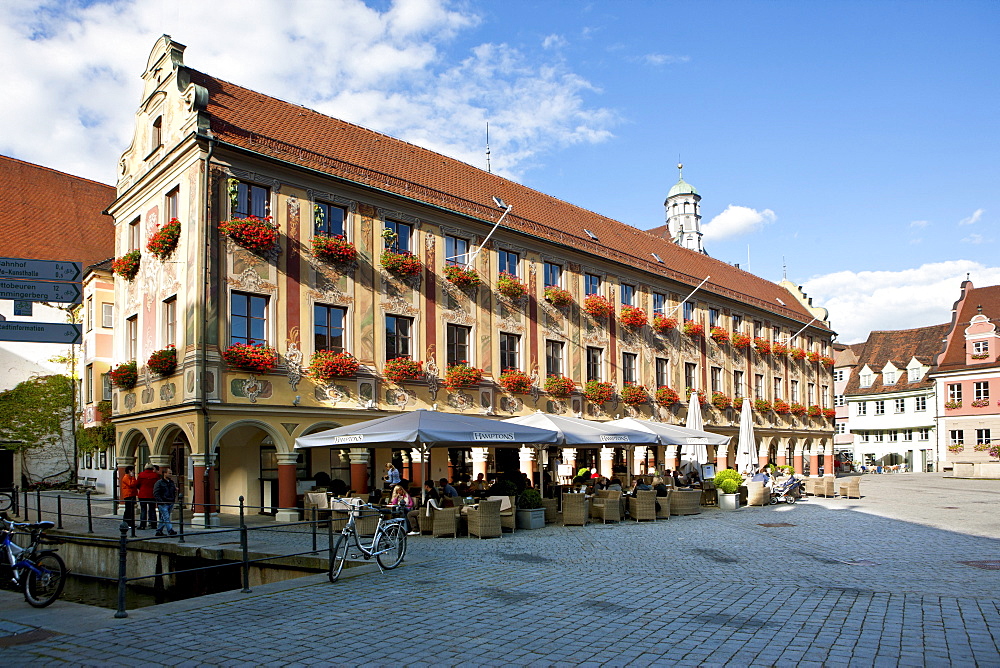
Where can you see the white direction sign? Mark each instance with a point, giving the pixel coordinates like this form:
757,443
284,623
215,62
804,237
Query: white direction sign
40,270
40,332
41,291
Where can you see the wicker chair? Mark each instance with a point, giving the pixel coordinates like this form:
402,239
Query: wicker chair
826,486
574,509
757,493
709,495
445,522
663,511
484,521
551,510
642,506
851,487
507,512
685,502
606,506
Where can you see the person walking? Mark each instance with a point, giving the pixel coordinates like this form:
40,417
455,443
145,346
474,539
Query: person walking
147,506
165,494
129,492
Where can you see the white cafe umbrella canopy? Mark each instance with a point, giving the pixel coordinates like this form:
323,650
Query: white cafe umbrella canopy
671,434
693,454
577,431
746,447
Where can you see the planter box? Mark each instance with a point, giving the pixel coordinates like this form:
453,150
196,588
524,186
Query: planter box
729,501
532,518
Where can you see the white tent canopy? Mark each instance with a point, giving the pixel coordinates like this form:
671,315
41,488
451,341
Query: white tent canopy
670,434
746,448
693,454
577,431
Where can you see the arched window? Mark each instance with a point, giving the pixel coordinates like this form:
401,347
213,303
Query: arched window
156,137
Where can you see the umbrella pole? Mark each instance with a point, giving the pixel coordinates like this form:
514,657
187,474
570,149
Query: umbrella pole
541,471
424,465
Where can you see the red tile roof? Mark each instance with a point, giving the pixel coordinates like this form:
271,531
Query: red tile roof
899,347
285,131
988,298
49,215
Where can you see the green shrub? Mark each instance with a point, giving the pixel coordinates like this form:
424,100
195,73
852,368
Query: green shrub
530,498
728,481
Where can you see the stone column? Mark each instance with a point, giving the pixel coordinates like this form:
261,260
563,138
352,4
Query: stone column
526,461
607,461
417,465
479,457
407,470
160,460
675,460
638,457
782,454
359,469
569,457
797,458
204,509
287,493
814,454
763,453
829,465
721,457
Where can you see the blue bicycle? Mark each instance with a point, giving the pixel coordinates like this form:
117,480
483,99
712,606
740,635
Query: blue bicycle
39,573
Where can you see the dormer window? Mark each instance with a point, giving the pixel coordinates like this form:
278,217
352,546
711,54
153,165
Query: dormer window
980,350
866,380
889,377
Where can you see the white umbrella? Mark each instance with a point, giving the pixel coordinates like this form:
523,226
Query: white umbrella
694,453
746,447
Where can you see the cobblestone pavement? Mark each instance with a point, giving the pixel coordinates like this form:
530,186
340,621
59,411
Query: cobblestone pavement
877,581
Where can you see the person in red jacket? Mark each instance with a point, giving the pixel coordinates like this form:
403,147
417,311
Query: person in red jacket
129,491
147,506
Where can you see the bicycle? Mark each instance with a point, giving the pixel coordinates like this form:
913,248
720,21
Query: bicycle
388,545
39,573
6,500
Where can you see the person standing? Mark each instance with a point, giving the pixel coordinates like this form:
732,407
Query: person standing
391,477
147,506
129,491
165,494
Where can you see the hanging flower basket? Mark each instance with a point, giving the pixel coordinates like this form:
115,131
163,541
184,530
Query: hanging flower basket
328,364
163,362
741,341
694,329
402,369
826,361
634,395
462,375
250,357
701,395
720,336
632,317
334,249
598,306
721,401
779,349
829,413
258,235
515,381
781,407
510,287
814,357
164,240
952,405
127,266
403,264
666,396
797,354
663,324
125,375
598,391
557,296
462,278
762,345
559,386
815,411
761,405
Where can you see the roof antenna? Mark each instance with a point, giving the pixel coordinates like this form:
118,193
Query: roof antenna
784,269
488,148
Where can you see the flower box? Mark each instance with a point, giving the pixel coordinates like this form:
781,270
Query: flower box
721,401
335,249
329,364
798,409
956,448
814,357
980,403
127,266
598,391
634,395
797,354
598,306
779,349
815,411
980,356
741,341
510,287
952,405
981,447
829,413
701,395
402,369
250,357
559,386
781,407
258,235
666,396
826,360
163,362
761,405
720,336
462,278
693,329
164,240
557,296
515,381
763,346
125,375
663,324
403,264
462,375
632,317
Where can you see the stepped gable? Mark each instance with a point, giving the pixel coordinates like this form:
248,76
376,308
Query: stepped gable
988,298
50,215
285,131
898,346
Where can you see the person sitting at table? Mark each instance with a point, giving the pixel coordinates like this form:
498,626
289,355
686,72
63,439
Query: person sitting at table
479,484
432,501
602,483
401,499
660,487
694,480
679,479
463,485
615,485
338,488
640,485
446,489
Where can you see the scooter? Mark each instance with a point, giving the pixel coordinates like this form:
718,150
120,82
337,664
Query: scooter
789,491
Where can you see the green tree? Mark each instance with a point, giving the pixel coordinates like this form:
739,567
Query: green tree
32,413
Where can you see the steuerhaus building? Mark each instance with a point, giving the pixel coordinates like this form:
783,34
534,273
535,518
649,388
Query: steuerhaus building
207,152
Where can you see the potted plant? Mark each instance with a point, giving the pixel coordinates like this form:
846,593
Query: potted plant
779,349
402,369
127,266
598,306
461,277
257,235
797,354
403,264
250,357
462,375
956,448
694,329
634,395
826,360
721,401
334,249
632,317
700,393
727,482
164,240
559,386
814,356
163,362
515,381
720,336
598,391
781,407
761,405
815,411
663,324
510,287
666,396
980,403
328,364
557,296
829,413
762,346
741,340
953,404
125,375
530,511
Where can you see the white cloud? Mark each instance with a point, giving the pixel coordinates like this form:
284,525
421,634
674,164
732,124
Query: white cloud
554,42
75,69
736,220
974,218
920,224
860,302
665,59
976,239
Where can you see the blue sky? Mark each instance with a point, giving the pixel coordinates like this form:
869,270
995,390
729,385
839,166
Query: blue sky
855,142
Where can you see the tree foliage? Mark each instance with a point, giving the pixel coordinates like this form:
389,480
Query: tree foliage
33,412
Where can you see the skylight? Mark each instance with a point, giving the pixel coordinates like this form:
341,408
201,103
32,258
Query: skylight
590,234
658,258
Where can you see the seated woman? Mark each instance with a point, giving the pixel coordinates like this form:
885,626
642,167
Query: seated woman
433,501
694,480
640,485
401,499
615,485
679,479
659,487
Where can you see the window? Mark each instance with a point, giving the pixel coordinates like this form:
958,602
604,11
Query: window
713,317
795,391
662,372
510,351
591,284
865,437
776,334
715,375
659,303
900,405
777,388
105,387
398,336
628,294
88,384
923,433
629,376
107,315
170,321
132,337
758,386
89,316
982,390
879,407
921,403
879,437
252,200
329,219
840,428
758,329
955,391
553,358
738,389
134,240
553,274
956,437
862,408
811,393
690,375
456,251
983,437
838,400
824,395
889,377
913,375
866,380
838,375
156,134
737,323
689,310
403,241
173,204
248,319
328,327
907,434
894,435
981,347
594,366
457,344
508,262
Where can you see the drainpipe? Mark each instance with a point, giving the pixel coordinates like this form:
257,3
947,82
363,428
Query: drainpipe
203,365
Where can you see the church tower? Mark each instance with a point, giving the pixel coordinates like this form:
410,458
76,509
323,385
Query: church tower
684,214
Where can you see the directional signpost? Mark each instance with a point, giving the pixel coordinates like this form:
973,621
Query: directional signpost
40,270
24,280
42,291
40,332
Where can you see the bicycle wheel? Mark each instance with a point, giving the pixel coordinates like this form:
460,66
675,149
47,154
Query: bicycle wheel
390,546
45,586
6,501
338,557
